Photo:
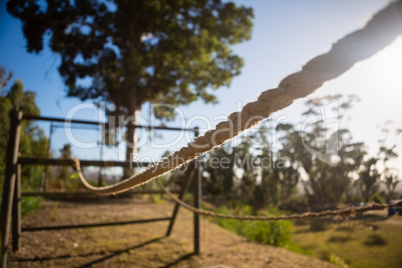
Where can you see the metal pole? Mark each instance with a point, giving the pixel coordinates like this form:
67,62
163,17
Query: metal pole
197,202
16,213
100,168
44,178
9,182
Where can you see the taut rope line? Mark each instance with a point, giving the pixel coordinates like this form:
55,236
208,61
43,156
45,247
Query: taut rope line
379,32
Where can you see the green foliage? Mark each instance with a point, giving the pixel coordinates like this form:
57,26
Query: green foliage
294,247
281,170
376,198
325,184
166,52
369,178
157,198
338,261
33,141
275,233
29,204
128,53
66,178
283,167
189,198
220,179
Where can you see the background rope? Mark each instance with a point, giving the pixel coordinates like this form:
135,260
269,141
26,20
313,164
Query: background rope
342,212
379,32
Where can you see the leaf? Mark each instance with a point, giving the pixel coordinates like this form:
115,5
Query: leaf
75,175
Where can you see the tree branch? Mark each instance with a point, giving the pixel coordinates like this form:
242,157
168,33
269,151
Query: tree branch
93,26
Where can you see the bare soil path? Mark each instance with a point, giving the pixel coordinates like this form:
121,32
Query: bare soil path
139,245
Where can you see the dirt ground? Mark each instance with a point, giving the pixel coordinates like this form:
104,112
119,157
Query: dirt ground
138,245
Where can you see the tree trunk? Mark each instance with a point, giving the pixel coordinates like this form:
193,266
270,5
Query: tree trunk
132,140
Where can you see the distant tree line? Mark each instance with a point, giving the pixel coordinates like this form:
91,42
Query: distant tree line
33,139
271,165
267,166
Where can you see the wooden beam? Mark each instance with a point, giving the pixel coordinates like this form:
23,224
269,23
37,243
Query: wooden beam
187,178
9,183
90,225
69,162
197,204
16,213
89,195
105,124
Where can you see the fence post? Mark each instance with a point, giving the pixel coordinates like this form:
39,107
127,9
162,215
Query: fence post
16,212
9,182
187,178
197,202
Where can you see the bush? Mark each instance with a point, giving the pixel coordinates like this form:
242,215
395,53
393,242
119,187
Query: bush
275,233
29,204
376,198
158,199
337,261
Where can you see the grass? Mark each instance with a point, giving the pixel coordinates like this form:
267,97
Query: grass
276,233
370,241
366,242
158,199
29,204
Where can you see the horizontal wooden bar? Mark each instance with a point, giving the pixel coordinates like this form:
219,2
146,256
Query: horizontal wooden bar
61,227
77,195
69,162
54,119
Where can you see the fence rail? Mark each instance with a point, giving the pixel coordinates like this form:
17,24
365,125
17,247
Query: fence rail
91,225
104,124
82,195
70,162
11,204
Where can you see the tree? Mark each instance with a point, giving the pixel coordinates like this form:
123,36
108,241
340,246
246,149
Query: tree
324,183
387,153
33,141
269,176
5,78
244,161
133,52
219,168
369,178
391,181
64,178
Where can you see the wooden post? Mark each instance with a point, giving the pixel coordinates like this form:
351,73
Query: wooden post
187,178
9,182
100,168
16,213
197,204
197,201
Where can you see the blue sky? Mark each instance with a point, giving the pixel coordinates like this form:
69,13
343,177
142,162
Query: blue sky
286,35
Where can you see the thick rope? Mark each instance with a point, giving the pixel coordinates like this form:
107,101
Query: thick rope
378,33
307,215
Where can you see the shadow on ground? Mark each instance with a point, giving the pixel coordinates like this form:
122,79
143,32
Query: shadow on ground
89,264
375,240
